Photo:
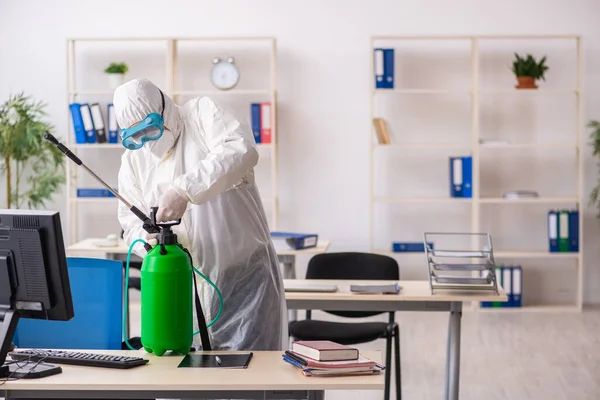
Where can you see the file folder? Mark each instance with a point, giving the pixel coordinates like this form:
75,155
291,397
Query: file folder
456,177
80,136
88,124
98,120
574,230
265,122
255,121
498,304
467,174
507,285
563,231
378,69
553,231
388,55
517,284
408,247
113,127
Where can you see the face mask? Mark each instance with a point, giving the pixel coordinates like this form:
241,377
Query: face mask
150,129
160,148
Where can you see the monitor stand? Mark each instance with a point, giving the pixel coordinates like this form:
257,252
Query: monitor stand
25,369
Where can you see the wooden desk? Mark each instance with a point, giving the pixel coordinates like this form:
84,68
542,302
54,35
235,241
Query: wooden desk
286,257
413,296
267,377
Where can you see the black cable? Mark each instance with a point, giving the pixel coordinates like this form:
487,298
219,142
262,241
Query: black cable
26,362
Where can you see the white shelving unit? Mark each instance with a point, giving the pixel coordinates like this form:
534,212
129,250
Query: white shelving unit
408,74
165,63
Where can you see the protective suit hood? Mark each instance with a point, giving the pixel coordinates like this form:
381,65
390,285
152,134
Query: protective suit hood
135,99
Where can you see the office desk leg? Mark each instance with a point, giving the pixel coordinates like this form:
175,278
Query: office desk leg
316,395
453,353
289,272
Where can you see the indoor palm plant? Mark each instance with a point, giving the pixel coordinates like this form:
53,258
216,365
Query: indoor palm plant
528,70
595,142
32,167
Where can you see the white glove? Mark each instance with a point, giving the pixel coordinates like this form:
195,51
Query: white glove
150,238
171,206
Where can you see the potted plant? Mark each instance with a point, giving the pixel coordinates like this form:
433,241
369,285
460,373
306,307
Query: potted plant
32,166
528,70
116,73
595,142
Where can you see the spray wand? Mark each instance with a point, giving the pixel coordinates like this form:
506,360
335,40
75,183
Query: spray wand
151,226
148,225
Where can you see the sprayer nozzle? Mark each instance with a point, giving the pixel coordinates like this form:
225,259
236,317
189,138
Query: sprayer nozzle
48,136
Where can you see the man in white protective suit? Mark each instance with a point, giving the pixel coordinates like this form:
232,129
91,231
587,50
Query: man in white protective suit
200,169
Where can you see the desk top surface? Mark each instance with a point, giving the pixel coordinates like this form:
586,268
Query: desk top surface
409,291
87,245
266,371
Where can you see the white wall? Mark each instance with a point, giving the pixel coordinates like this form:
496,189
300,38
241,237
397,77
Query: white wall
323,51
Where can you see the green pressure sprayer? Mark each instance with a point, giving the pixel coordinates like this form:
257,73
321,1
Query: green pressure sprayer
167,277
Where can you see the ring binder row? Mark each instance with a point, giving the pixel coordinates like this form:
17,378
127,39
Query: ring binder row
460,269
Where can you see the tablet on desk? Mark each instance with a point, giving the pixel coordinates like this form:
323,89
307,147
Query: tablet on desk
298,287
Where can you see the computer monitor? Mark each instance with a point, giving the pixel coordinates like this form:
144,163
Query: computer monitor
34,281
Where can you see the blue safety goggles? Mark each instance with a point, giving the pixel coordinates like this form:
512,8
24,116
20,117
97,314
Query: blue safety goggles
151,128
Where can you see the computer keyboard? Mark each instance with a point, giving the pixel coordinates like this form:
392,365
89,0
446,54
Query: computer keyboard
78,358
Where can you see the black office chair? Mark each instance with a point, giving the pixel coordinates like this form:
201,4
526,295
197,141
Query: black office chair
359,266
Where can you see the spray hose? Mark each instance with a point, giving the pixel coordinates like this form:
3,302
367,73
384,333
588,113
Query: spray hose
127,293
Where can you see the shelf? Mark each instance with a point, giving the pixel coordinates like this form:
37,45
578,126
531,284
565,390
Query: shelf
92,199
423,91
533,254
97,146
92,93
426,146
541,200
232,92
556,145
538,308
391,199
553,92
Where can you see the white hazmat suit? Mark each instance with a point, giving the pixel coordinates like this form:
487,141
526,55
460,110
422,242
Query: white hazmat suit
207,157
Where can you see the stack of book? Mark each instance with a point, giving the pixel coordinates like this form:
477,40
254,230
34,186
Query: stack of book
326,358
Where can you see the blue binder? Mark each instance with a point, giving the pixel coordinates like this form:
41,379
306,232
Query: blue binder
77,123
553,231
574,230
456,177
93,192
296,241
467,173
408,247
384,68
388,55
88,123
113,127
255,121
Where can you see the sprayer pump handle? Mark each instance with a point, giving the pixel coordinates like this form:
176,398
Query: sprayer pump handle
165,225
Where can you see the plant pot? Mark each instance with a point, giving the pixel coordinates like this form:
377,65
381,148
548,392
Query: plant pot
116,80
526,82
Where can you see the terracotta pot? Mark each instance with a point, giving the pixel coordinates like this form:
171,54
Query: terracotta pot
526,82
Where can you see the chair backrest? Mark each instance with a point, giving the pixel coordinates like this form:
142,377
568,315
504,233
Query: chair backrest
352,266
97,292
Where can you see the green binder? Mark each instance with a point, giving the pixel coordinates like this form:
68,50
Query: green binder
563,231
499,274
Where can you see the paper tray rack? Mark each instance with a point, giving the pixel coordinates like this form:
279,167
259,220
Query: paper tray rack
460,269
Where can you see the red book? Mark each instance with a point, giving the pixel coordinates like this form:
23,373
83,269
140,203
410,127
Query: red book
324,350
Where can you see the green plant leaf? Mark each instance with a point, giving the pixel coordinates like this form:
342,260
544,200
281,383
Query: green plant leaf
40,165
